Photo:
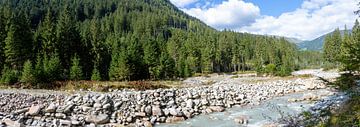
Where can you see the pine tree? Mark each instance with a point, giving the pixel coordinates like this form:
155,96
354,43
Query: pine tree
167,66
9,76
67,37
39,70
2,38
28,75
119,68
48,35
151,56
52,68
18,43
76,69
95,75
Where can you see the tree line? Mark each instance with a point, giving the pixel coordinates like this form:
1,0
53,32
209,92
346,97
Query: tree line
121,40
344,49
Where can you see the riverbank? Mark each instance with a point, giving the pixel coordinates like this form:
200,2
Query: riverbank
144,108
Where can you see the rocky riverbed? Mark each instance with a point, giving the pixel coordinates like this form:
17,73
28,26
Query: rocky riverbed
141,108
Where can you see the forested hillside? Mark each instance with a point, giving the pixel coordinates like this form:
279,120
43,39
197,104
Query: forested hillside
317,44
51,40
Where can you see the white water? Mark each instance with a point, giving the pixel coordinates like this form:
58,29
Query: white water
266,112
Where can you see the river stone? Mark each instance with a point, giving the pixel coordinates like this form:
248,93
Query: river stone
148,124
148,109
65,123
217,108
129,119
97,119
21,111
51,108
12,123
107,106
156,111
189,103
75,122
140,114
97,105
34,110
241,120
60,115
174,119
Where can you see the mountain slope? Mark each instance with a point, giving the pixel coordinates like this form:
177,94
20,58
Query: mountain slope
316,44
125,40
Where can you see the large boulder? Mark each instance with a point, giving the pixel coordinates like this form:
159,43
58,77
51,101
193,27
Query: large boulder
97,119
34,110
217,108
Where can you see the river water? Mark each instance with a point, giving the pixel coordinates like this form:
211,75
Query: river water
259,115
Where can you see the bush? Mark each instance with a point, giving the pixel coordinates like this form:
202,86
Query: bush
9,76
345,81
270,69
283,71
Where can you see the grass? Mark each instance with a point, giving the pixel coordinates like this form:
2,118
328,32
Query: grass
106,85
99,86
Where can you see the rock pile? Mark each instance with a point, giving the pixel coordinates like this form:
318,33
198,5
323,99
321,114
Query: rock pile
138,108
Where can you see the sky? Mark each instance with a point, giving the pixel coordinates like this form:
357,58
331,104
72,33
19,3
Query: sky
302,19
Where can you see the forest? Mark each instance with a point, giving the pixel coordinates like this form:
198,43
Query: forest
126,40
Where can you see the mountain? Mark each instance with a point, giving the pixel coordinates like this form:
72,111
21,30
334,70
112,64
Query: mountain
294,40
316,44
121,40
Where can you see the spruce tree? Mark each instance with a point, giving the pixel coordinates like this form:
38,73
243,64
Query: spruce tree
48,35
28,75
52,68
151,56
95,74
76,69
2,38
18,43
9,76
119,68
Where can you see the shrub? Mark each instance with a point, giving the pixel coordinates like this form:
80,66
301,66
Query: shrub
9,76
270,69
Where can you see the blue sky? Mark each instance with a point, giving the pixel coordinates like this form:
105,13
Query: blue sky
302,19
276,7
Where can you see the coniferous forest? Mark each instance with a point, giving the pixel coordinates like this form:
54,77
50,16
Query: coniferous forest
123,40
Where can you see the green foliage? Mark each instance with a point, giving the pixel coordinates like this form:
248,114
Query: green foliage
270,69
28,73
52,68
95,75
9,76
332,46
18,43
76,69
121,40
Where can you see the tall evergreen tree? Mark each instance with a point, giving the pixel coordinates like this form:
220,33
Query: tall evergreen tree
49,44
18,43
28,75
76,69
95,75
2,38
67,37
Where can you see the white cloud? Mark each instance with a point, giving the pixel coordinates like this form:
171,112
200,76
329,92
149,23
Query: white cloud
183,3
313,19
228,14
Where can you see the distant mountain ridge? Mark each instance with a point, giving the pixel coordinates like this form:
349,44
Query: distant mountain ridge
316,44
